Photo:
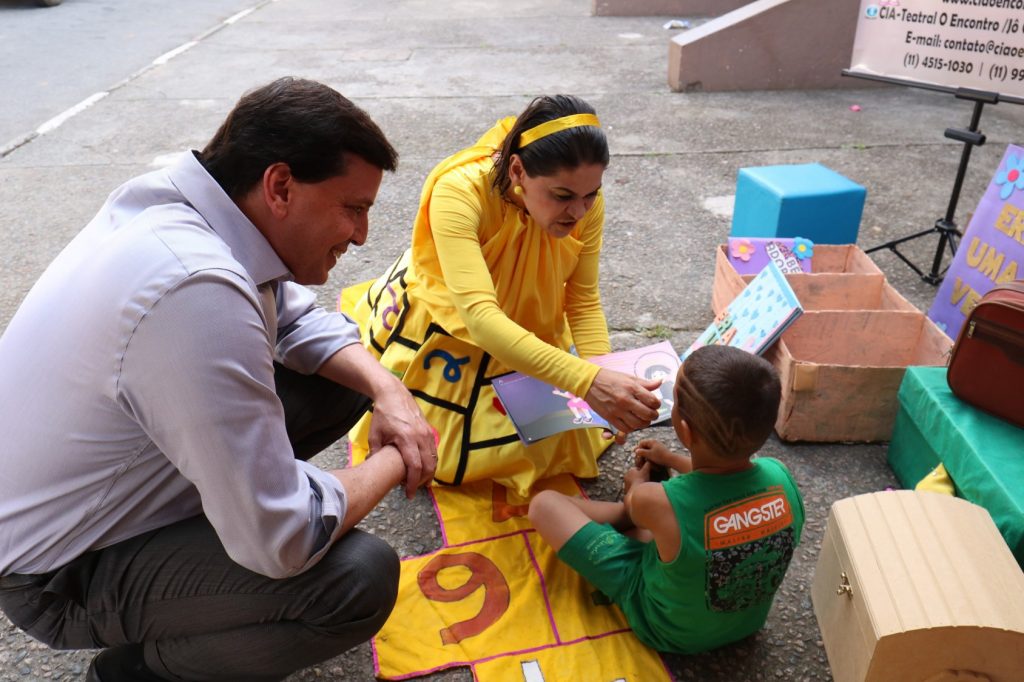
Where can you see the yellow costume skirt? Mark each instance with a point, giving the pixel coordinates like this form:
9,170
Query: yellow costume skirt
451,380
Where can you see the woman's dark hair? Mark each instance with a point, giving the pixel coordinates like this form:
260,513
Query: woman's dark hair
730,397
302,123
568,148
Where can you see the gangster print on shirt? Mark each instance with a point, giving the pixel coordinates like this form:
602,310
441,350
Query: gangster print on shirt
748,545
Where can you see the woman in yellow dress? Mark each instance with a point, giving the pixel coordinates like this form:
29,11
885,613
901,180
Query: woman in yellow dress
501,276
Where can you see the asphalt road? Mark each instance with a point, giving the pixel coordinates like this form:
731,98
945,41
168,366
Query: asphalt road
53,58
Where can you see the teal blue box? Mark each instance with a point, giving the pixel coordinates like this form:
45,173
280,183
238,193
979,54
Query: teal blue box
984,455
797,200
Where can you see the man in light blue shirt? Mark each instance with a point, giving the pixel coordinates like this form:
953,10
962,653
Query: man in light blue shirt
163,384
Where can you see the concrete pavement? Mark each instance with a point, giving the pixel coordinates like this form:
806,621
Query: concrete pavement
434,76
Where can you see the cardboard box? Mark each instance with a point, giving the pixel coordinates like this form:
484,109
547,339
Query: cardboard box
918,587
841,370
983,454
842,361
843,278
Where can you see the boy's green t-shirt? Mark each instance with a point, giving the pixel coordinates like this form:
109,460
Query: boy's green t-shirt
738,536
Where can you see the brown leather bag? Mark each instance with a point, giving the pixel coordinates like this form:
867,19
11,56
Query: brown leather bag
986,365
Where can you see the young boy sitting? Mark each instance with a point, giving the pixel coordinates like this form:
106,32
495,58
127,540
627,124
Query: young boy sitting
723,532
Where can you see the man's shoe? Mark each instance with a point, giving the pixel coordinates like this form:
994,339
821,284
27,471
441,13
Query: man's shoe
123,663
91,675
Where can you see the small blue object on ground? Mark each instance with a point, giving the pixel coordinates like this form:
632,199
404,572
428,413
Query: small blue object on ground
797,200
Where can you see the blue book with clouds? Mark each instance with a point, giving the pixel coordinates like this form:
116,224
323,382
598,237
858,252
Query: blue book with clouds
756,318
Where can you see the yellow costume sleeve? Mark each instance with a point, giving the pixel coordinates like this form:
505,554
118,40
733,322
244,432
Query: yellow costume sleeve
456,215
582,295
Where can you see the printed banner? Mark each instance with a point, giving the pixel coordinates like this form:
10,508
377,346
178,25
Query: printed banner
975,44
991,251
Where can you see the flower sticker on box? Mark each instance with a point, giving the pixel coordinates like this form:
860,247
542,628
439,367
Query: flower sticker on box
803,249
749,255
741,249
1011,177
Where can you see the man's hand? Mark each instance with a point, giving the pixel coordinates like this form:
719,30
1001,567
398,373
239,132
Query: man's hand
626,402
398,421
368,482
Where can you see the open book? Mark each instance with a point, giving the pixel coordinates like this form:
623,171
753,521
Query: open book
539,410
756,318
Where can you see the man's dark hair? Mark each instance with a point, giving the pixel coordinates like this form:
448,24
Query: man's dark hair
730,397
568,148
302,123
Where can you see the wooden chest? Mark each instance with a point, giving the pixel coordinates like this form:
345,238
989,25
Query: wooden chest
918,587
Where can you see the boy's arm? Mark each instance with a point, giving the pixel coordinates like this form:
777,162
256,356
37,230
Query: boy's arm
648,507
657,452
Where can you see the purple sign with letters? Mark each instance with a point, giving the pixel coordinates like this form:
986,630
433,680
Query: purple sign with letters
991,251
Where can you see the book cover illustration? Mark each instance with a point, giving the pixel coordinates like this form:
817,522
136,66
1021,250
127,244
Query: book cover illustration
756,317
539,410
749,255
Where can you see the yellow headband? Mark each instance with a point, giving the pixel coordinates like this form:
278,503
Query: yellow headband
556,125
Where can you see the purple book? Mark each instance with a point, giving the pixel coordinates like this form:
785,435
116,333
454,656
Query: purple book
749,255
539,410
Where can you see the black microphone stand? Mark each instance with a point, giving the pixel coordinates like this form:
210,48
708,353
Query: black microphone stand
945,227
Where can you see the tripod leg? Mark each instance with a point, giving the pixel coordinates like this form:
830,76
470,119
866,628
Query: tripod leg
934,276
946,227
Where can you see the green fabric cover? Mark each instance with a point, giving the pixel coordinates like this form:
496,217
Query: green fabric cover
984,455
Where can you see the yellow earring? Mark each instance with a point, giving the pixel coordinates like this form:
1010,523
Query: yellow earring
518,190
